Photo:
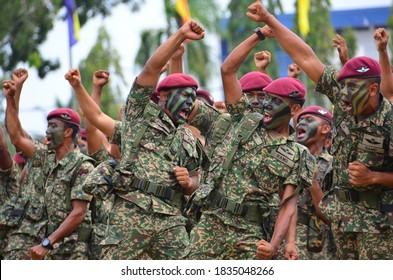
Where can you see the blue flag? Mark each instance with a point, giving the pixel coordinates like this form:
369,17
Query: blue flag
73,22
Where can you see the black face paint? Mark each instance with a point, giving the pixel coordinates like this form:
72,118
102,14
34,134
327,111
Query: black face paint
180,103
256,98
276,111
306,129
355,95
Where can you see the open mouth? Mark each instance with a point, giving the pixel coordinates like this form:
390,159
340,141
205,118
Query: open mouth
47,140
267,117
300,132
184,113
347,105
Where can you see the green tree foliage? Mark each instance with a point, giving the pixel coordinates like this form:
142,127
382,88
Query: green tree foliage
197,60
26,24
240,27
102,56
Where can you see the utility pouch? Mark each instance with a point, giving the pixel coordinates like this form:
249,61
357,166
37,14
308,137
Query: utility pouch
316,234
12,212
121,182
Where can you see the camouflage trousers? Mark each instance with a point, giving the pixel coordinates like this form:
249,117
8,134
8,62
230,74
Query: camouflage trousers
211,238
364,246
134,233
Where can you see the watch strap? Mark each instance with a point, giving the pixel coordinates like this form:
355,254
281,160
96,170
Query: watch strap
258,31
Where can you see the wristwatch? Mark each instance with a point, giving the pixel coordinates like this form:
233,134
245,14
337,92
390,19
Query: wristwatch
46,244
259,33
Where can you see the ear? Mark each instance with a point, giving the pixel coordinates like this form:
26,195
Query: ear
326,129
68,132
295,108
373,89
163,95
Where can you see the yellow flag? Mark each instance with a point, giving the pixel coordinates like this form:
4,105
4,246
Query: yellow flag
303,7
183,10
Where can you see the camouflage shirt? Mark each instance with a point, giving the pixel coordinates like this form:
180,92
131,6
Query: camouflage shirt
55,180
162,147
368,142
260,167
9,185
116,136
324,164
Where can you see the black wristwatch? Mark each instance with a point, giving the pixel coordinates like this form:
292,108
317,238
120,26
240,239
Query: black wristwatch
261,36
46,244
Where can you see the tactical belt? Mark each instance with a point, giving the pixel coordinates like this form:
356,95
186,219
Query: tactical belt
371,197
252,212
174,196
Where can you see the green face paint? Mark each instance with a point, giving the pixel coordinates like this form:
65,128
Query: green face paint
255,98
54,134
180,103
307,128
276,111
354,95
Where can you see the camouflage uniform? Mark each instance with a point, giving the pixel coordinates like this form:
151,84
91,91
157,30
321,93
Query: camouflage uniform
260,167
306,211
362,217
50,198
8,189
142,222
101,207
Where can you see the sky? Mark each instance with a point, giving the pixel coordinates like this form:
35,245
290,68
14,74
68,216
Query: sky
124,27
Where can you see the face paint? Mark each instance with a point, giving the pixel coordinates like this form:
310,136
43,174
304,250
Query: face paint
306,129
54,134
276,111
355,95
180,102
255,98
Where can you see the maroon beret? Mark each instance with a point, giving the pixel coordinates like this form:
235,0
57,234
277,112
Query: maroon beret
66,115
287,87
200,93
317,111
254,81
83,133
361,67
178,80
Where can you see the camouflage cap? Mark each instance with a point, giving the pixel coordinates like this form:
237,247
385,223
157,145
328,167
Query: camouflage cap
287,87
361,67
254,81
317,111
178,80
200,93
66,115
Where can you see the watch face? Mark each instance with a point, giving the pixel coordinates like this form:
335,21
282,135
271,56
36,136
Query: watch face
46,243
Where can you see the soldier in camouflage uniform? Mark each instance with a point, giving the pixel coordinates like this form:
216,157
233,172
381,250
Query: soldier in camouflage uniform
313,236
63,220
99,149
157,155
9,176
361,215
256,160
